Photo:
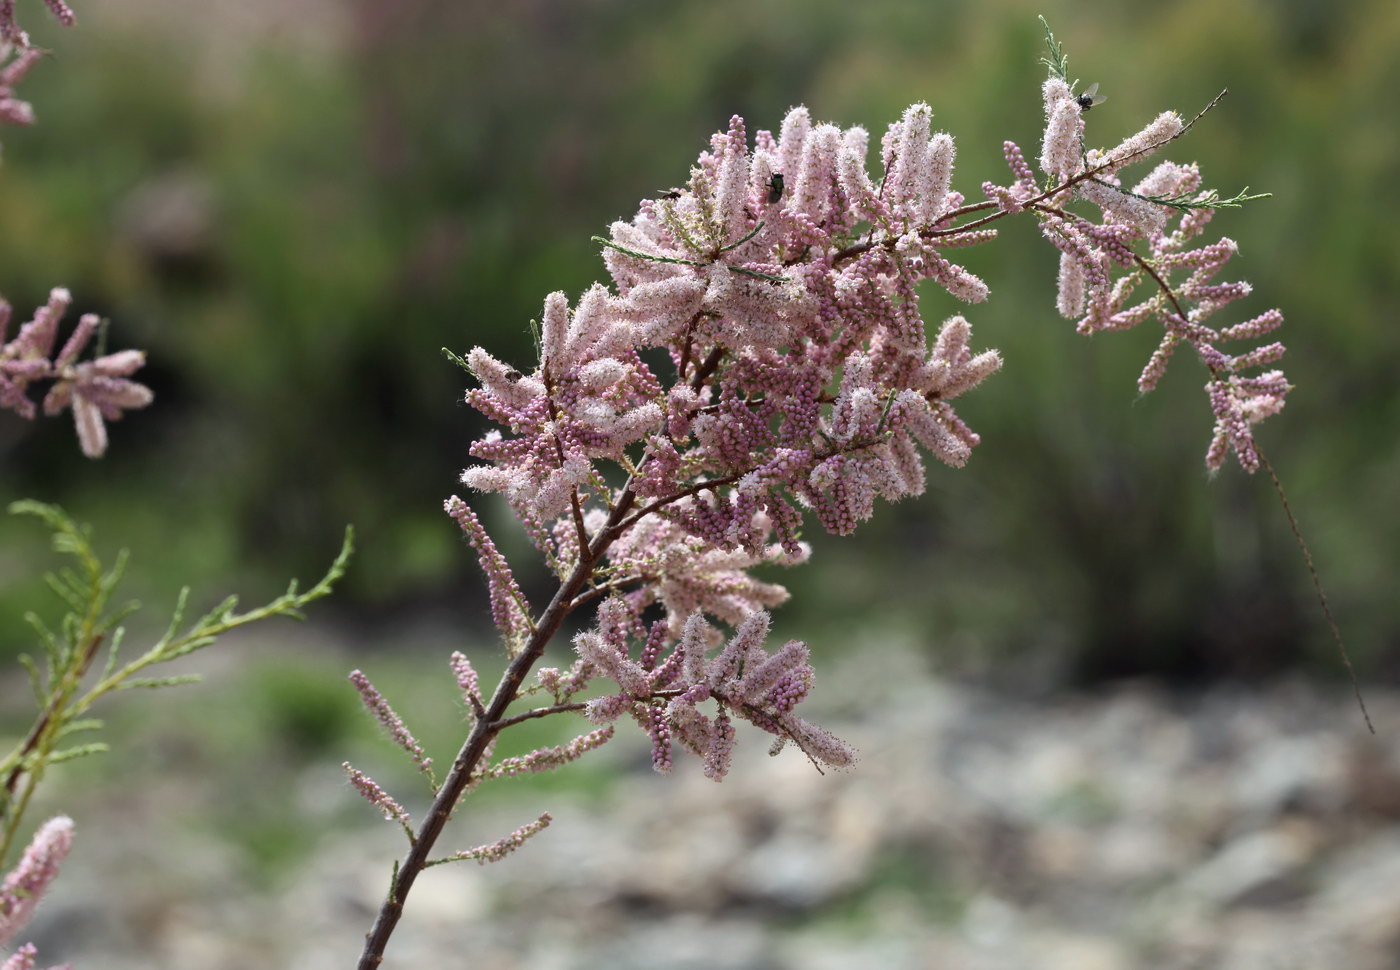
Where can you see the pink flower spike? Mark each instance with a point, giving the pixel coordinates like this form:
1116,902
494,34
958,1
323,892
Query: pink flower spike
819,743
608,659
36,338
12,110
759,678
376,796
62,11
720,752
508,606
82,333
602,710
792,140
391,721
1266,322
745,647
14,72
1070,301
908,172
498,850
30,879
547,759
692,647
731,192
1059,153
87,418
121,364
467,679
1158,132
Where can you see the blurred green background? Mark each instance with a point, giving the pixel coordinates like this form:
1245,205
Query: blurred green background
294,206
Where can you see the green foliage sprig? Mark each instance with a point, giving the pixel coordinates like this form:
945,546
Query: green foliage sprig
1057,61
1186,201
60,678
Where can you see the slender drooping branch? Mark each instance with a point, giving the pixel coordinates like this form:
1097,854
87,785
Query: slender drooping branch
487,725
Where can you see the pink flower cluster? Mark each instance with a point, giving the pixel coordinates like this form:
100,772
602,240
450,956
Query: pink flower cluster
802,376
743,679
96,390
1101,268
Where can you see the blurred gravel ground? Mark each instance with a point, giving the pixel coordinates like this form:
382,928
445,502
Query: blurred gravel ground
1233,828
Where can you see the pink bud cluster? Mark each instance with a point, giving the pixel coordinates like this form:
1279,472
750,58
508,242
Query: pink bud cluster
96,390
742,678
26,884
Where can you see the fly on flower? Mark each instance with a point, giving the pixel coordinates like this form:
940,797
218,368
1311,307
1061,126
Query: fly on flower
775,188
1091,97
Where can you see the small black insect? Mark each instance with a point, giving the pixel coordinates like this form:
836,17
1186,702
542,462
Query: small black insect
513,375
1091,97
671,194
775,187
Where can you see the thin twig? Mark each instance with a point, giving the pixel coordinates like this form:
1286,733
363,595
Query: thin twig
661,503
506,722
1317,585
579,527
689,339
469,756
578,706
589,595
